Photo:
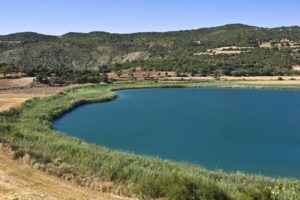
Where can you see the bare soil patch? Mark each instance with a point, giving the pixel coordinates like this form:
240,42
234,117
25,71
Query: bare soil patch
16,83
296,68
231,50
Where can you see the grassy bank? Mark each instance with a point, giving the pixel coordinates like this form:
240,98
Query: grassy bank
28,131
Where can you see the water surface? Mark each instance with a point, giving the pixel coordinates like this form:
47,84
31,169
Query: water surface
256,131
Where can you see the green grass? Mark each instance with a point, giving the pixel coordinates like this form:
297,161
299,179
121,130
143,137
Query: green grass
28,130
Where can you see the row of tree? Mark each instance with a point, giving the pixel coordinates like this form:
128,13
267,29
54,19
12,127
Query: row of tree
55,76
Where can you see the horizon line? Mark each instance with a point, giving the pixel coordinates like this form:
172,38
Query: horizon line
167,31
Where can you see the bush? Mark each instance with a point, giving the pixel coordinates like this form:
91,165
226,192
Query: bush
280,78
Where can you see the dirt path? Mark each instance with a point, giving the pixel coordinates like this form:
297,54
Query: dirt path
22,182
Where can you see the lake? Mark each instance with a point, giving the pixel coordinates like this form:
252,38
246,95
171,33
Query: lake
255,131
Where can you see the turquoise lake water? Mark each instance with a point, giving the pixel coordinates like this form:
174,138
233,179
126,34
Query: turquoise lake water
255,131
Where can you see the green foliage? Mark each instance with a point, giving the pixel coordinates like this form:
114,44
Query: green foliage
63,76
7,69
168,51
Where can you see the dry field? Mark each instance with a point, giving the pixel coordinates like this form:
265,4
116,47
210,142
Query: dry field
13,92
11,83
10,100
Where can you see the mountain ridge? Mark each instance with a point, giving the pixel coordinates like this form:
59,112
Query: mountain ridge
141,32
184,51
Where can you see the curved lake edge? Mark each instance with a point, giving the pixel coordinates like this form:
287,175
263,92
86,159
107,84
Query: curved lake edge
114,96
163,168
80,122
133,85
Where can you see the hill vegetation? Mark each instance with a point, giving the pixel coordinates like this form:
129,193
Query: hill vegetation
263,51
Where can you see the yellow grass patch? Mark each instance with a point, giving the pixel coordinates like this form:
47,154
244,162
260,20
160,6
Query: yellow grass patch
11,100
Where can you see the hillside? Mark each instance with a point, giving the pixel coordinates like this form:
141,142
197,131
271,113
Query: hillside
234,49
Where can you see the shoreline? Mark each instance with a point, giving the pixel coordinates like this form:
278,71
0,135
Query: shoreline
36,117
13,97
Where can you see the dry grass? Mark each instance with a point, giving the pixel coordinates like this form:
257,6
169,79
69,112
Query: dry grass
17,180
11,100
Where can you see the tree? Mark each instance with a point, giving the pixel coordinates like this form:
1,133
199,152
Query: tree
103,69
217,74
117,67
178,73
105,78
42,78
7,69
119,73
131,74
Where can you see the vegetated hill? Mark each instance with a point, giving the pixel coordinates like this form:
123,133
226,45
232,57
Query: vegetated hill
177,51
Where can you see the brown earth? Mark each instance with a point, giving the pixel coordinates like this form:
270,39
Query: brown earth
20,82
296,68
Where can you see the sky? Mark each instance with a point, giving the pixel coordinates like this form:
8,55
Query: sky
56,17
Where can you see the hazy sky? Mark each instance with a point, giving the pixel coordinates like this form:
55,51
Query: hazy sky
123,16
